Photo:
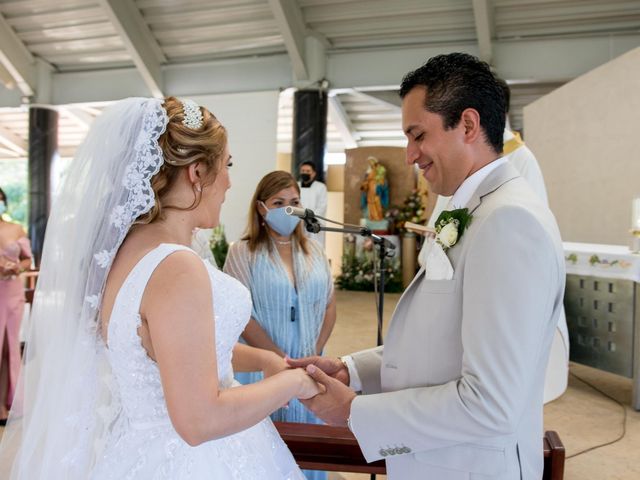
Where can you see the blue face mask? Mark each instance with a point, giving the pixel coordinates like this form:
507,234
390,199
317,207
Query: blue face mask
282,223
3,207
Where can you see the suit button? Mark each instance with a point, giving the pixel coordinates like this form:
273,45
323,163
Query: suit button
383,452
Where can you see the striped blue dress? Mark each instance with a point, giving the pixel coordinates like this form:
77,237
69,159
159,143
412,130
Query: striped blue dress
292,315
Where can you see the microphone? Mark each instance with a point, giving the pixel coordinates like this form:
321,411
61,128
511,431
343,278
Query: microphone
303,213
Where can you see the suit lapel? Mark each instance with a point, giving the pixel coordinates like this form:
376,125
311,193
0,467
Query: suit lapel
501,175
494,180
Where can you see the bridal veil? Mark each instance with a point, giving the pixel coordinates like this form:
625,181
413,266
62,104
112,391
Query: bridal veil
65,400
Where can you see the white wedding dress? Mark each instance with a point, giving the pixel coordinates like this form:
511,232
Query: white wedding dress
142,443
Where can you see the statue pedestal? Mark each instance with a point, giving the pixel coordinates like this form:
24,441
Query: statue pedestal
376,225
409,257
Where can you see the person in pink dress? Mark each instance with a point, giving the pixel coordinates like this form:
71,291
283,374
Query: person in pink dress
15,257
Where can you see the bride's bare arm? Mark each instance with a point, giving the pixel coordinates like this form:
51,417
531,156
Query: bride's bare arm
252,359
177,306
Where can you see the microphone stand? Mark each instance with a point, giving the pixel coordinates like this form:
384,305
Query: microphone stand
385,249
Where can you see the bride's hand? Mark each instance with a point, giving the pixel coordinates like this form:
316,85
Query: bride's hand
274,364
308,387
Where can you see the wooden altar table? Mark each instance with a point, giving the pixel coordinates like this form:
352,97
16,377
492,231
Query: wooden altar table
335,449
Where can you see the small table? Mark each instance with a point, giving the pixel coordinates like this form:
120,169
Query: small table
603,313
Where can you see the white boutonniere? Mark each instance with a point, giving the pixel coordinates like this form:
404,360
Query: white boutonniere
450,226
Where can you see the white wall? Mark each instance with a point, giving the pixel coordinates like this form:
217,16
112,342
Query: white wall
585,136
251,120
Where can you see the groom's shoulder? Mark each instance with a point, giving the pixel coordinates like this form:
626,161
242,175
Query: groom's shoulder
518,207
513,235
515,195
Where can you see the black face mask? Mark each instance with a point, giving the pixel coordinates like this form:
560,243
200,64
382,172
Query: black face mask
305,178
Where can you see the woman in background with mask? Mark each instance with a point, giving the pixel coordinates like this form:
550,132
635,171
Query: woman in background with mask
15,258
290,282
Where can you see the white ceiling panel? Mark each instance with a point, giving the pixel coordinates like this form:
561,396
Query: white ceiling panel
354,24
74,32
66,33
55,17
550,18
187,30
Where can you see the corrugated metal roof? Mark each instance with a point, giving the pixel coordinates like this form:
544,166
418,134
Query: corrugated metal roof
78,35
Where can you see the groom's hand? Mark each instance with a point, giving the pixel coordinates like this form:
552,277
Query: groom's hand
330,365
334,405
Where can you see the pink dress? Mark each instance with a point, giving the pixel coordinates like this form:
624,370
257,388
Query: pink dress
11,308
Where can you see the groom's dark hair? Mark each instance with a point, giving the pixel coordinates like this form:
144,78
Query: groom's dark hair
455,82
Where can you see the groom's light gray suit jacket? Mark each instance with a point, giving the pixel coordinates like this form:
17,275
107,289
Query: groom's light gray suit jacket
457,390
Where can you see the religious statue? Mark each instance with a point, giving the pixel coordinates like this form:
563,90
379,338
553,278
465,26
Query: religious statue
374,196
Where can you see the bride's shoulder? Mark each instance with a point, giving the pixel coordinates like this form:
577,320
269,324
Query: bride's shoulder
177,261
165,263
179,275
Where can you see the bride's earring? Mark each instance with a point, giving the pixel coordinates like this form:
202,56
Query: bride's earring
198,187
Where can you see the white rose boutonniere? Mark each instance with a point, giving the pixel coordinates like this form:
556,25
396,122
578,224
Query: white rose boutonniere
448,235
450,226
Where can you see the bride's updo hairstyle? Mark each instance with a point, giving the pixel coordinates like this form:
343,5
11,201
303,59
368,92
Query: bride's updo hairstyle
181,146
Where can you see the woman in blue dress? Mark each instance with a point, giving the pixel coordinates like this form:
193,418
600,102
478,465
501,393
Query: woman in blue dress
290,281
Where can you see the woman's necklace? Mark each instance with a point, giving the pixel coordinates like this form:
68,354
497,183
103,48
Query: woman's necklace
280,242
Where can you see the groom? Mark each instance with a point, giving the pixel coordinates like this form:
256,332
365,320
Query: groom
456,393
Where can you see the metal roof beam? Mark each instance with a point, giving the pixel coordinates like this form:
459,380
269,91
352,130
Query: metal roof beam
6,78
81,117
482,14
341,121
17,60
12,141
293,29
142,46
376,100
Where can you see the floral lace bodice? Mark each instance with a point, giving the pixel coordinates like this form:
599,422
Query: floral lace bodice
137,375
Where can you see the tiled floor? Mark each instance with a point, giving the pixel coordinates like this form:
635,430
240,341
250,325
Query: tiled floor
582,416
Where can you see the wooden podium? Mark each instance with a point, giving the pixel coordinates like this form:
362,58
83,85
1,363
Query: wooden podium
335,449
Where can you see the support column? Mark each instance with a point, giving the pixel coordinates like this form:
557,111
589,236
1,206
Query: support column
309,129
43,147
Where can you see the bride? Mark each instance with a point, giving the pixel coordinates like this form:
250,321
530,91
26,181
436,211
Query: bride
129,367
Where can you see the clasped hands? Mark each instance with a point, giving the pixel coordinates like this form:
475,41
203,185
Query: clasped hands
333,403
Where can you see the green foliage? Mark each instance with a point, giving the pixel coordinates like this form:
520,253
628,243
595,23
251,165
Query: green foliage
219,246
595,260
462,215
357,273
13,180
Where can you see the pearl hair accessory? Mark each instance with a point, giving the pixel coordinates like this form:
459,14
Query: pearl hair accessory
192,114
